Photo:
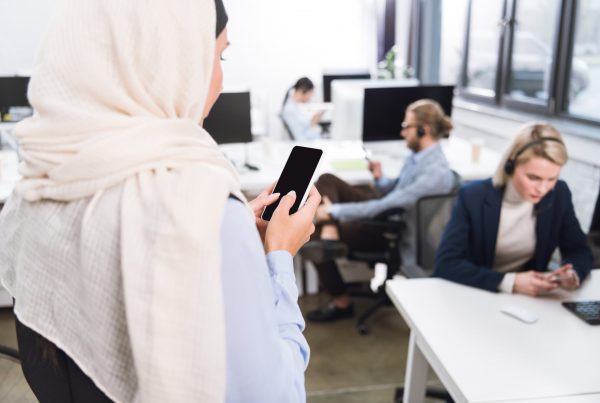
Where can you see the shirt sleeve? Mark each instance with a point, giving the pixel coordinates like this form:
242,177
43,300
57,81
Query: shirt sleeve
267,353
427,182
299,123
507,284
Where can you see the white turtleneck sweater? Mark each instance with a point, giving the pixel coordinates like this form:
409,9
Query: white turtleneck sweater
515,244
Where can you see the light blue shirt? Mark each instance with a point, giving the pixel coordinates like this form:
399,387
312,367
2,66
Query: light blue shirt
298,121
424,173
266,351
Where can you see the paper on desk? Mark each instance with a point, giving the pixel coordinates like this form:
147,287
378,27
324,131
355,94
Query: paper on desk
349,164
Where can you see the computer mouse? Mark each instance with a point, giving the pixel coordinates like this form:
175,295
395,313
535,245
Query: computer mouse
519,313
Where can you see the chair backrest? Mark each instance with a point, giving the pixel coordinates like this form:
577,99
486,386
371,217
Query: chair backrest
432,215
287,128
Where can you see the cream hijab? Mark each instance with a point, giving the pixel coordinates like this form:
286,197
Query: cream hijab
118,92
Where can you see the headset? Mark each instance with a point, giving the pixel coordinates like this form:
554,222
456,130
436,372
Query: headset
509,165
420,131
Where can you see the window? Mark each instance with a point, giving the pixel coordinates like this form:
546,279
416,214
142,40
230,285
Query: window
454,15
483,47
533,42
540,56
584,83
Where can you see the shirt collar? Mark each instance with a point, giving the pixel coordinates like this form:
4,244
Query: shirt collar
418,156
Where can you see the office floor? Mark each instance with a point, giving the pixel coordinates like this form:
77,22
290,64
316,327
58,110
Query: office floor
345,366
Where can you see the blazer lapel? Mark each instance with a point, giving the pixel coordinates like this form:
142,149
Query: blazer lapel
491,220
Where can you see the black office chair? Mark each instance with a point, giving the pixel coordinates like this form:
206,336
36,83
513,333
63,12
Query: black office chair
286,127
391,224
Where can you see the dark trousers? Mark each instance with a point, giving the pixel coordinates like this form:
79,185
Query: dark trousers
353,234
51,374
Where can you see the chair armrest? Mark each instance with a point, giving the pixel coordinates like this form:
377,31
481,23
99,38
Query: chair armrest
388,220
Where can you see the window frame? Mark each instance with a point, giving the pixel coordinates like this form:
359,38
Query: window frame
556,106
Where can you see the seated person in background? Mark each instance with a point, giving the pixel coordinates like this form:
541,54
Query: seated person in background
298,121
504,230
424,173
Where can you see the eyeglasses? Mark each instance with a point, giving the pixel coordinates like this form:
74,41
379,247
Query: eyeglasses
405,125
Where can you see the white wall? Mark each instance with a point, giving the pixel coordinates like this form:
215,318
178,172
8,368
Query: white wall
273,43
22,23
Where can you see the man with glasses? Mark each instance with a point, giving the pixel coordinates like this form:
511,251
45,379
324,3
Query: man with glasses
424,173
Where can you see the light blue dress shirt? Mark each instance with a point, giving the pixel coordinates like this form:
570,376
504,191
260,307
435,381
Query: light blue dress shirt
424,173
266,351
298,121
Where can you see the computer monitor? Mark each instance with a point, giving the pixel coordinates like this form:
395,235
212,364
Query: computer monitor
328,78
229,119
384,108
13,92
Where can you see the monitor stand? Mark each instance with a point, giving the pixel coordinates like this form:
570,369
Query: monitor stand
246,163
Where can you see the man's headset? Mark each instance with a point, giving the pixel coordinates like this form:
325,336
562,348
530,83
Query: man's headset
420,131
509,165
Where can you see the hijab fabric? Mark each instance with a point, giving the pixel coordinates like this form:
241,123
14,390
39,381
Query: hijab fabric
118,94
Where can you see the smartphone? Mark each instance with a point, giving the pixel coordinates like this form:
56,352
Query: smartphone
297,175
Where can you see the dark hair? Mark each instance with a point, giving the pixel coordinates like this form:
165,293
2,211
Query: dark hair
303,84
221,16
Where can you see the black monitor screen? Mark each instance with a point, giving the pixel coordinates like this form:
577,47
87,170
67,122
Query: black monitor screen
328,78
229,119
383,110
13,91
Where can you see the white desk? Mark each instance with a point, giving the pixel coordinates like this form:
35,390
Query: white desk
346,160
483,355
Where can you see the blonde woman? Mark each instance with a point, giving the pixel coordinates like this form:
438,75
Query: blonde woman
504,230
136,265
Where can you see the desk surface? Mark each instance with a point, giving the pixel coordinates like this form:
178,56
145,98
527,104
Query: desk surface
482,355
346,159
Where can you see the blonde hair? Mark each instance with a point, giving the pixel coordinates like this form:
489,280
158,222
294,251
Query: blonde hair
429,113
553,151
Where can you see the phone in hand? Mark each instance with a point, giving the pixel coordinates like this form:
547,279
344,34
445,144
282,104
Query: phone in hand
297,175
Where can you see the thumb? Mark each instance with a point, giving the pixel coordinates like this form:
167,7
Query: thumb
287,201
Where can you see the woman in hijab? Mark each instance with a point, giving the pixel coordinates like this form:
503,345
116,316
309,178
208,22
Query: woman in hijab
136,266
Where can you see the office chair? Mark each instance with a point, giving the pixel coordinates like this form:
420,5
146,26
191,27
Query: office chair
432,214
286,127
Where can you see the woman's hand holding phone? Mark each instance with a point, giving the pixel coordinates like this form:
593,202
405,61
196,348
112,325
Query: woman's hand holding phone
565,277
258,205
287,231
533,283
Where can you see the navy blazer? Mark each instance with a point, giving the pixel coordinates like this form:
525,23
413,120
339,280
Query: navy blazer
468,246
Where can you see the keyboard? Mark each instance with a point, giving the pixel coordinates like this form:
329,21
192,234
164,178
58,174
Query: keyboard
588,311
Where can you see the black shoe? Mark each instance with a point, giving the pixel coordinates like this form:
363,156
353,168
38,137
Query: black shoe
323,250
329,312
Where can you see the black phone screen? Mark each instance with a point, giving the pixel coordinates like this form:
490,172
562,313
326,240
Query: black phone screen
296,175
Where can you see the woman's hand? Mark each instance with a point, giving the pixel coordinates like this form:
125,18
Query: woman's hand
316,118
289,232
258,205
565,277
533,283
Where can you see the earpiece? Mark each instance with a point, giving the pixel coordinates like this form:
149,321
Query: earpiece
420,131
509,165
